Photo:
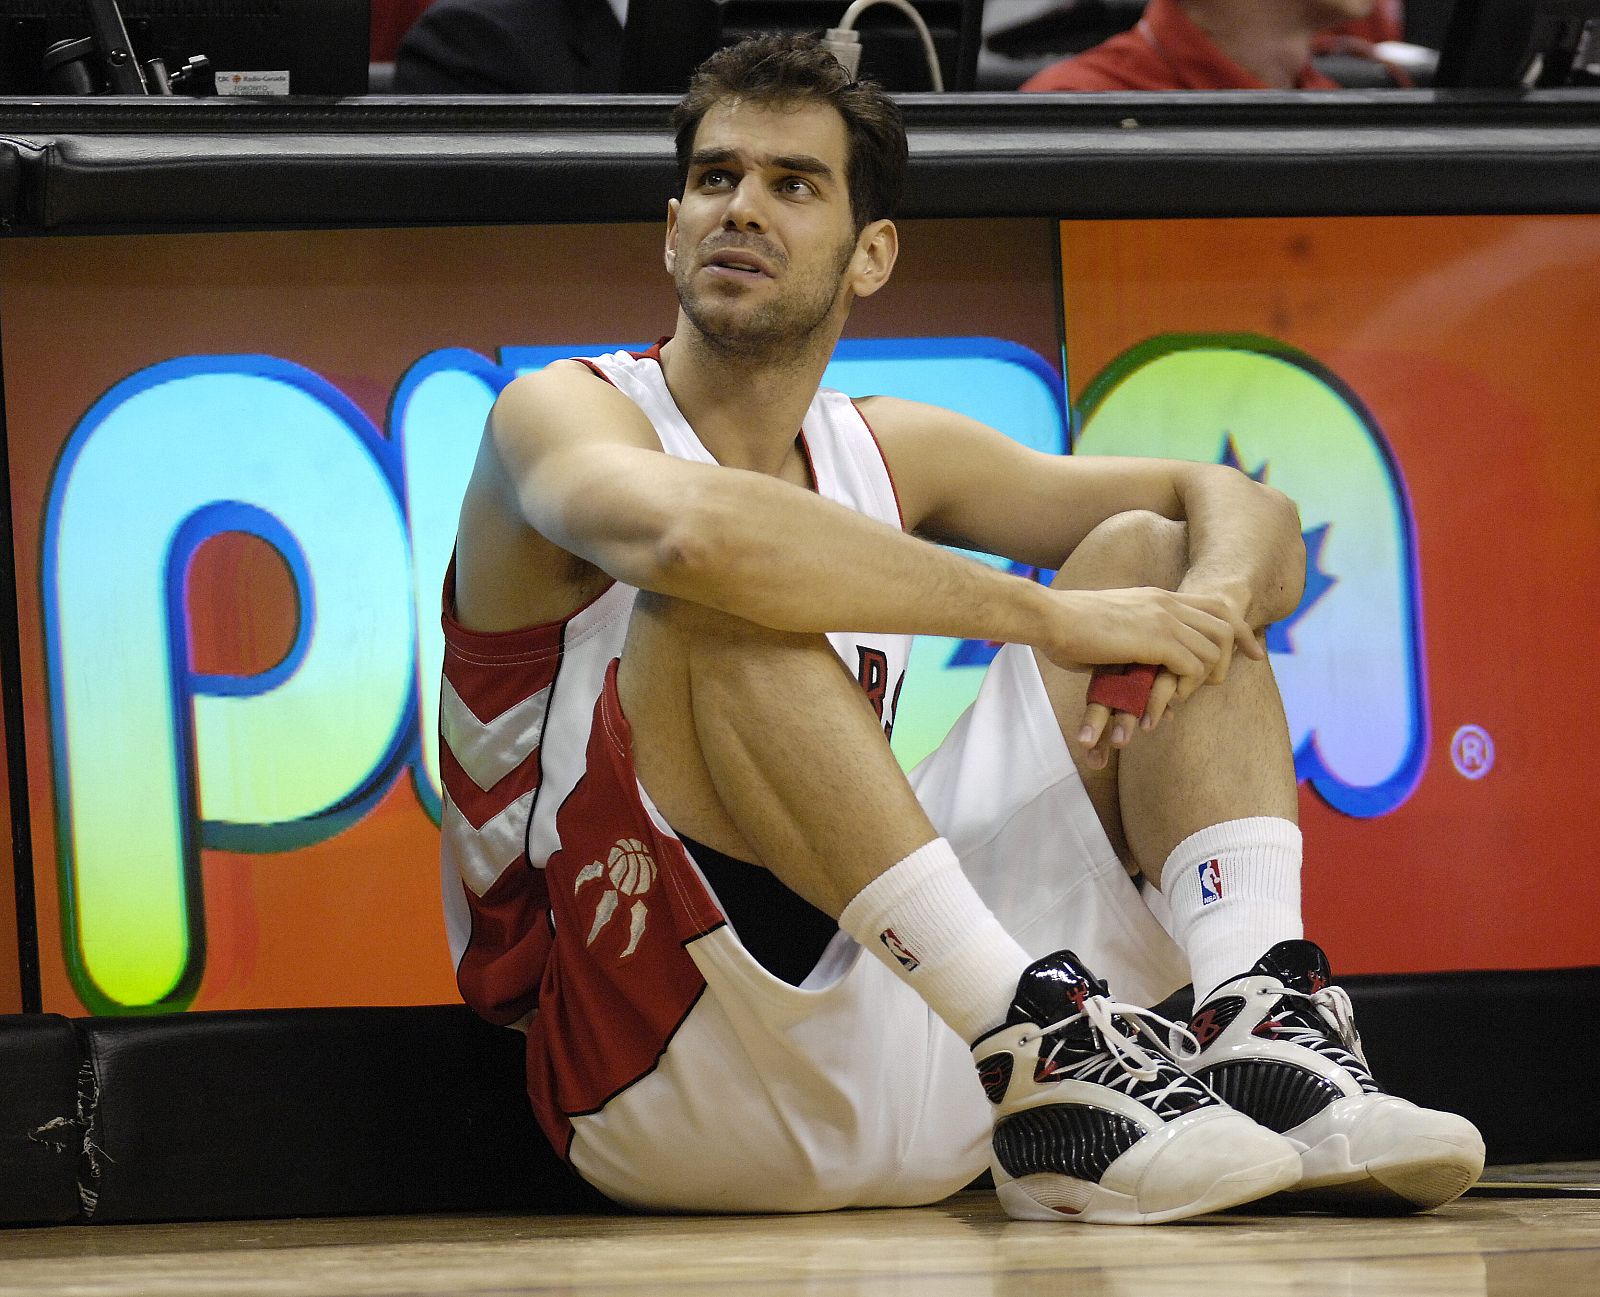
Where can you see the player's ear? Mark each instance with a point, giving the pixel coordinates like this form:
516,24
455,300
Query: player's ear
671,252
877,246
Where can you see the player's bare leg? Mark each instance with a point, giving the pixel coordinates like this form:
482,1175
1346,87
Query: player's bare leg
759,744
1204,807
1223,754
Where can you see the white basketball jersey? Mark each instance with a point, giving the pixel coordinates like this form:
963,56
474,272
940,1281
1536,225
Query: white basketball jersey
516,707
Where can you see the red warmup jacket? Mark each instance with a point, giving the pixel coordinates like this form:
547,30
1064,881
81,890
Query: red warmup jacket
1165,51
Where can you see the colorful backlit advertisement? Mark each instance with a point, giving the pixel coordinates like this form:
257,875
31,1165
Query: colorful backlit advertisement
156,761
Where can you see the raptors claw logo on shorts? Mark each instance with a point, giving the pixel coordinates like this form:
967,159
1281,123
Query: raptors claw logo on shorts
631,870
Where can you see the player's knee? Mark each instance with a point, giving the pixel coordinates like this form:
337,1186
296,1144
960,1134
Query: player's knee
1132,549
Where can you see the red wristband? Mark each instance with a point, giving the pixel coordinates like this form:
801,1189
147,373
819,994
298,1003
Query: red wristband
1122,689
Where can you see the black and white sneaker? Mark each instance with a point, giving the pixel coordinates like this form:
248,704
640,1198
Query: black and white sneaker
1280,1044
1095,1121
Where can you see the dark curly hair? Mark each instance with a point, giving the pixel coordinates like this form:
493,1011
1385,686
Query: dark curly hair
787,69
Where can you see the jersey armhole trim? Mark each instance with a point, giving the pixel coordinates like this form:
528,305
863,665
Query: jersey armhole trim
594,369
888,471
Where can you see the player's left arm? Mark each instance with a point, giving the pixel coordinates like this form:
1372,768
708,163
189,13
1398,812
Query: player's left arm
966,484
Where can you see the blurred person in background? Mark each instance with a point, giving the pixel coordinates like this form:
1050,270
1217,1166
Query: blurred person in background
513,47
1228,45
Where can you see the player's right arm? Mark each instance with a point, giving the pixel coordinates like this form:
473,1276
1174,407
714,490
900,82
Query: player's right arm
572,488
549,518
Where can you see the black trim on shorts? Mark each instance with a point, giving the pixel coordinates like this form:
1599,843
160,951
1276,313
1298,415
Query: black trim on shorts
783,932
633,1081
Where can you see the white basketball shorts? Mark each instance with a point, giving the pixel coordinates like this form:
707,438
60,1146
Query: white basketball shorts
846,1091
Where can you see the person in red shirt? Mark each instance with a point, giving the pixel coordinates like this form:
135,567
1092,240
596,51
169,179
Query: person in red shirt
1211,45
391,20
1386,22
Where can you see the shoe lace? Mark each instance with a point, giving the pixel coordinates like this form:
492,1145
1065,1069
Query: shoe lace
1329,1028
1148,1074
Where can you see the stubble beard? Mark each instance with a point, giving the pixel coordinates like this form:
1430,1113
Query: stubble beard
777,331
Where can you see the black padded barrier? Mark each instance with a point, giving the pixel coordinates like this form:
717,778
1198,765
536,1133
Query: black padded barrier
22,163
299,1112
42,1124
10,184
263,1113
151,165
1516,1052
270,1113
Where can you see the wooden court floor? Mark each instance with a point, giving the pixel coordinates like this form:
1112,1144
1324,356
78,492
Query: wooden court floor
1497,1247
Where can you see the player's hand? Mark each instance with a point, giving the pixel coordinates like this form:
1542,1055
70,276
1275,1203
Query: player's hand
1191,637
1104,730
1235,601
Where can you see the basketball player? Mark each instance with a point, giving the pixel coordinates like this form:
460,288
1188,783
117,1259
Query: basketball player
755,963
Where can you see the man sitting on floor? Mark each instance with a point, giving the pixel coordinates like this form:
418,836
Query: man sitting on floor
756,963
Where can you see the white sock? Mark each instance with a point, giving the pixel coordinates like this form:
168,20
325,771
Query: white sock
1234,893
923,919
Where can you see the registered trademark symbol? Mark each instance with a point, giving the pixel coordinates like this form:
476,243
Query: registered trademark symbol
1472,751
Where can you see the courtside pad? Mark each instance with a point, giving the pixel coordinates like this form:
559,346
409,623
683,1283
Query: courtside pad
316,1112
294,1112
288,1112
41,1126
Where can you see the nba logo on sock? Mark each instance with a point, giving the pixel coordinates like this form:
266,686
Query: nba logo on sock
1210,882
899,950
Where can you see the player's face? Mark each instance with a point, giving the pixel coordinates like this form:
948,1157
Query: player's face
762,242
